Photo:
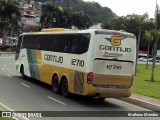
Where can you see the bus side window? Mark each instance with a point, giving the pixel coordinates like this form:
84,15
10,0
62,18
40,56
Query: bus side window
28,42
62,40
74,46
56,43
84,41
38,42
67,47
46,42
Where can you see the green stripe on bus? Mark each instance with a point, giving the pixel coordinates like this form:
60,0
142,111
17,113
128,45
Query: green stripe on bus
29,54
33,67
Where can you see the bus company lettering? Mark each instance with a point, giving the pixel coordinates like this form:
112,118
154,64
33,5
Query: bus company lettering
114,48
53,58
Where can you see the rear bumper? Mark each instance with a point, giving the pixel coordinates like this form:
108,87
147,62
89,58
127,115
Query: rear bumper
113,92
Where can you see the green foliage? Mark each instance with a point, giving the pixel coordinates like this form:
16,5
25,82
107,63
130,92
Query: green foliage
9,11
131,23
157,17
56,16
148,35
97,13
10,15
142,84
94,10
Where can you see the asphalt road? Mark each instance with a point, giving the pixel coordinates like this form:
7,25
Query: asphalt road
30,95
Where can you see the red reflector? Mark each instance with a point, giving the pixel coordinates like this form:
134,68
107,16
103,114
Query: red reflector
89,77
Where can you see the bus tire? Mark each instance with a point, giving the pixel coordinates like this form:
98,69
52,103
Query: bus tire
65,91
101,98
55,85
23,73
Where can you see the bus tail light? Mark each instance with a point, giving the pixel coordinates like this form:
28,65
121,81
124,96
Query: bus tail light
89,77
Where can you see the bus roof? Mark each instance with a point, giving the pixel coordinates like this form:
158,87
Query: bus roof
96,31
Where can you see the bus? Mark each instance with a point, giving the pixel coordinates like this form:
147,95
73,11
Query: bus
94,62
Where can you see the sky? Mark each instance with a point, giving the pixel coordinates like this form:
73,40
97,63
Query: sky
125,7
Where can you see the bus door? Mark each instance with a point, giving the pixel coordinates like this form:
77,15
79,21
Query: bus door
114,60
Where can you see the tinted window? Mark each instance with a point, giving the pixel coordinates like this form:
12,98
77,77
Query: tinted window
66,43
28,41
38,42
80,43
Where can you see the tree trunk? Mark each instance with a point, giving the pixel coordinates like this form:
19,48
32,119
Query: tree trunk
154,58
147,56
4,36
138,43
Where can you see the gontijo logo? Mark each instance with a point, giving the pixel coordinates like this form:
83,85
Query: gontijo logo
116,40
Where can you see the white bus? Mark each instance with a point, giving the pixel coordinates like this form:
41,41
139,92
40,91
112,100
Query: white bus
94,62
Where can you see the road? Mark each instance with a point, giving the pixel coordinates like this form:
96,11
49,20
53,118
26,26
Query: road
30,95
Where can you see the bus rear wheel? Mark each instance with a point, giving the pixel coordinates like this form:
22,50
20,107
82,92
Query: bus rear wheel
101,98
55,85
22,73
65,91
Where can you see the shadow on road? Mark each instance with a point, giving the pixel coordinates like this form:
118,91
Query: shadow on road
78,99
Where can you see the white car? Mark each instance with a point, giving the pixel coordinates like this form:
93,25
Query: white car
142,59
151,60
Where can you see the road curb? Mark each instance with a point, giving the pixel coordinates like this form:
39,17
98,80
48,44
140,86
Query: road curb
7,52
140,103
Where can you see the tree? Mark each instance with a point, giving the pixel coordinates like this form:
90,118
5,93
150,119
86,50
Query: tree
81,20
149,38
9,15
50,15
141,20
57,16
157,21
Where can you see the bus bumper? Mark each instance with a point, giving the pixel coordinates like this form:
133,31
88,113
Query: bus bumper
113,93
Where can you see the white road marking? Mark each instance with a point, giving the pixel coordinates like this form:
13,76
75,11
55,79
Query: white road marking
9,76
4,65
10,63
56,100
2,68
6,107
11,110
25,85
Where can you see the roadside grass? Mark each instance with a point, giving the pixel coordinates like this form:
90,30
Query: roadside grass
142,84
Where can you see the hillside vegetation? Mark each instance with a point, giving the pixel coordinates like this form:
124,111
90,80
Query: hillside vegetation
98,13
